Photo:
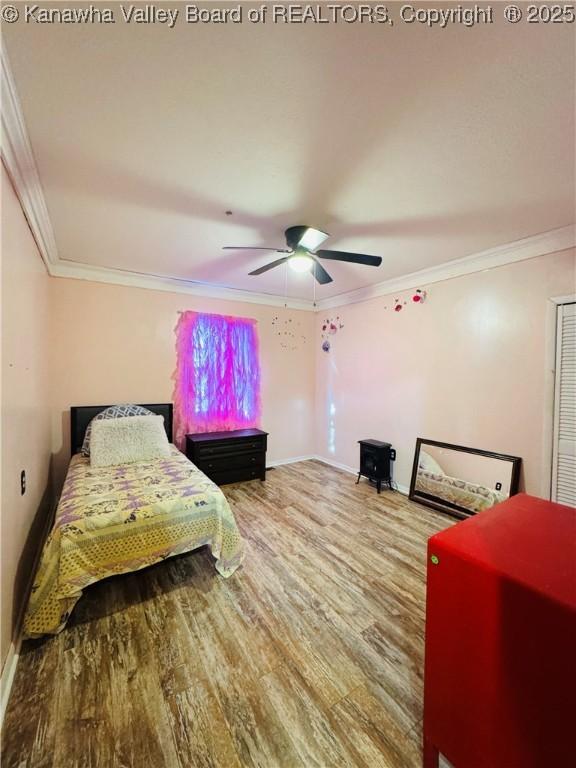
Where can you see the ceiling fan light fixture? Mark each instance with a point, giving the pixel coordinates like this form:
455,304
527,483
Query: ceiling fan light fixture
312,239
301,262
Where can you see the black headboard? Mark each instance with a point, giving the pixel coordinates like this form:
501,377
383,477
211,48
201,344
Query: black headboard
82,415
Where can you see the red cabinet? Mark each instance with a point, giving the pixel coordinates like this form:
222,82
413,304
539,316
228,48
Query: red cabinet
500,664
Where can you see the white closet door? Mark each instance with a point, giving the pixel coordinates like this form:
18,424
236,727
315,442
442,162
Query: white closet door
564,462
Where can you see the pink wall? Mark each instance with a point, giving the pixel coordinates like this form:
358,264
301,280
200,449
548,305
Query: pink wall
116,344
25,424
467,367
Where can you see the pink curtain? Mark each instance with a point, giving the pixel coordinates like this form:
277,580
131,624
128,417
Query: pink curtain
217,377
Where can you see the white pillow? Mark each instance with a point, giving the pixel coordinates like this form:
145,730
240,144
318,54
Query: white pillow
425,461
127,440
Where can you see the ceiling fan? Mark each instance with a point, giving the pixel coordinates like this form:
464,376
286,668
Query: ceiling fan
301,253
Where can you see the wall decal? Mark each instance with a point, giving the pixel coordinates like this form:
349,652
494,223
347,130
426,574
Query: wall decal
417,296
289,332
330,327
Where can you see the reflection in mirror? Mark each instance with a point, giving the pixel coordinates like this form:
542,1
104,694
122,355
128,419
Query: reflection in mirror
462,481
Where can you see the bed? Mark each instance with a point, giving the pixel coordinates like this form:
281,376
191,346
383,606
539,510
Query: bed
117,519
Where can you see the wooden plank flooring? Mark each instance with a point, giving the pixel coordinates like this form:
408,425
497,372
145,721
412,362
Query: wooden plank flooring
310,656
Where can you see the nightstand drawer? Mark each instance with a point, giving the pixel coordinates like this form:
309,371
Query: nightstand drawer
237,461
232,446
237,475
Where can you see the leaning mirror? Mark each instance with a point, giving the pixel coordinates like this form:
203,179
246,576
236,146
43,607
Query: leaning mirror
461,481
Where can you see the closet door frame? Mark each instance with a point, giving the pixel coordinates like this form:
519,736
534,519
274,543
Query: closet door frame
559,304
547,414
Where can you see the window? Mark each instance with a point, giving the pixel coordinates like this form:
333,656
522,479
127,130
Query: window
217,378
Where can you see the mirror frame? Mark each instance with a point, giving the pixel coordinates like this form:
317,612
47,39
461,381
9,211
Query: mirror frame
448,508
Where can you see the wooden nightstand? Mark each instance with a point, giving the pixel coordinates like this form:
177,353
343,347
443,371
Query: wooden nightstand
229,457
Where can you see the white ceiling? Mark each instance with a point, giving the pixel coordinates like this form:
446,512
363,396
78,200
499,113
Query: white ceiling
418,145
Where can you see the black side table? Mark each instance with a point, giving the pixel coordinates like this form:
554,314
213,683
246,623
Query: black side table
229,457
375,458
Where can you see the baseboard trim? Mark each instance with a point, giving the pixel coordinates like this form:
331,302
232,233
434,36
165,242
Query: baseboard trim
337,465
11,662
293,460
8,674
311,457
331,463
354,471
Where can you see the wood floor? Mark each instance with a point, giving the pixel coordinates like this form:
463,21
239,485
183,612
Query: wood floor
309,656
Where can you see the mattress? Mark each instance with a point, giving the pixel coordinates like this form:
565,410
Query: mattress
123,518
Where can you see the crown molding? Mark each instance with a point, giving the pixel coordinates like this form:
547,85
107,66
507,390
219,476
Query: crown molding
569,298
520,250
19,160
81,271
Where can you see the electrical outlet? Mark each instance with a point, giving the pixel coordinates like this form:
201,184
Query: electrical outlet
498,486
23,482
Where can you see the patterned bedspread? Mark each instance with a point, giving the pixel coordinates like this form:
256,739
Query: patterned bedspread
119,519
468,495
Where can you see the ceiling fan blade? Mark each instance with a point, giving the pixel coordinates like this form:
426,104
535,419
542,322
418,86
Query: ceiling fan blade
354,258
320,273
253,248
266,267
